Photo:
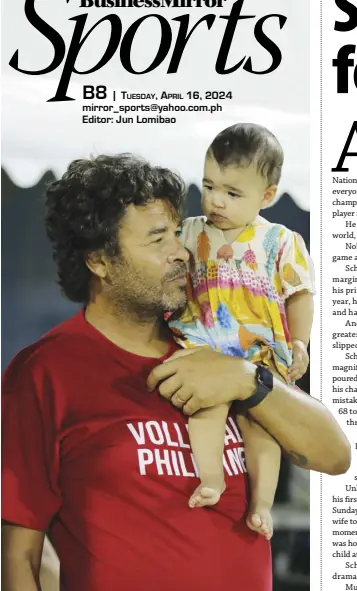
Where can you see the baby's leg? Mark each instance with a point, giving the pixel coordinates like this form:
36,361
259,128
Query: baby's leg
206,429
262,454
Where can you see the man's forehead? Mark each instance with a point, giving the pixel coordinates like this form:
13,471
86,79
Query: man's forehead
142,218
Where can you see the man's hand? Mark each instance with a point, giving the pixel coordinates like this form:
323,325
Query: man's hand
300,361
201,378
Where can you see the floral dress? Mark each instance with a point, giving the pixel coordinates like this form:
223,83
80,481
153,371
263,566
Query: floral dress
237,292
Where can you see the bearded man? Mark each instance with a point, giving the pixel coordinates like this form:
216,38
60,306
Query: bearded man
92,450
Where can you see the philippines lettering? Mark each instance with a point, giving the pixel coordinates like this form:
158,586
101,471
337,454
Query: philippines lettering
169,46
167,457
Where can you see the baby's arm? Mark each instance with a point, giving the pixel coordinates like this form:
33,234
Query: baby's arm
296,273
299,314
262,455
206,429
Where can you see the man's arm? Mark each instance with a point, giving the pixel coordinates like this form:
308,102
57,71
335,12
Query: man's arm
21,558
303,427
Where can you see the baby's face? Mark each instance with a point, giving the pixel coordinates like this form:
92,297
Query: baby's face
232,196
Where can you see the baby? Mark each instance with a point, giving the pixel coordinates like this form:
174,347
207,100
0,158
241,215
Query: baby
249,295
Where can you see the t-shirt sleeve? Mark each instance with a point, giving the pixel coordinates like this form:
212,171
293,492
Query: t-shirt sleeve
30,491
295,266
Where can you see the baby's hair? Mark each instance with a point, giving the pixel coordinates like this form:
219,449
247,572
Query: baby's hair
244,144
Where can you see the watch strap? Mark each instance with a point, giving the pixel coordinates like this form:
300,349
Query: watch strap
265,382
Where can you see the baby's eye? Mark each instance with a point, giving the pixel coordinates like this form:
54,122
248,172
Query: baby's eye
158,240
178,232
208,187
235,195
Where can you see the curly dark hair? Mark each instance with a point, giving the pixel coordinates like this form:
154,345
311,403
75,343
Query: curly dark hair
85,207
248,143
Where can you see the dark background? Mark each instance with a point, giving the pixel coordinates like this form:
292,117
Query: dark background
32,305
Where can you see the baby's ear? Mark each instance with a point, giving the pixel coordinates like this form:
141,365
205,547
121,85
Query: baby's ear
269,195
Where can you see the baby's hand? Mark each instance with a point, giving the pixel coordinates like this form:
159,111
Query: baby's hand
300,361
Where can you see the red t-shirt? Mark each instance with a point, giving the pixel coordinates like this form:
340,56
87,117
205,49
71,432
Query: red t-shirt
106,466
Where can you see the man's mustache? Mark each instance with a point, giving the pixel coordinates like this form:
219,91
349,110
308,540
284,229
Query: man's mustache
176,273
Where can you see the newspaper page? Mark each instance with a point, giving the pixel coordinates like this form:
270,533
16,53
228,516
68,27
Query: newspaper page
334,177
249,104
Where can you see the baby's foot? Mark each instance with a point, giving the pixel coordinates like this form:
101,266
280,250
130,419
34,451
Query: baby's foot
260,520
208,493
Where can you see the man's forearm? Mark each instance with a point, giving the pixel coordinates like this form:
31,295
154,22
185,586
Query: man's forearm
302,426
305,429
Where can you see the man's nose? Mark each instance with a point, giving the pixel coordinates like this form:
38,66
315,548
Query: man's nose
180,254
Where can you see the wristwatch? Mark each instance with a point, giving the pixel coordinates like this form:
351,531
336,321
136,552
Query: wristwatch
264,379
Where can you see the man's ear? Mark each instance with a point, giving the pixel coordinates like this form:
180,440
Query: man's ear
97,263
269,195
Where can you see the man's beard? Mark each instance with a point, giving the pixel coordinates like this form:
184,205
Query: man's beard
135,295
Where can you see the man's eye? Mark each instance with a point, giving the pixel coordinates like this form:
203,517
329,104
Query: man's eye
208,187
178,232
158,240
